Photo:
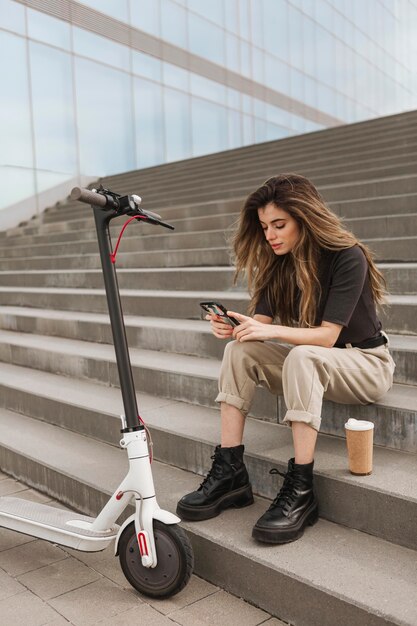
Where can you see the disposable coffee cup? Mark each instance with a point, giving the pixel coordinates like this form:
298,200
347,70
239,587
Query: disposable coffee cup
359,440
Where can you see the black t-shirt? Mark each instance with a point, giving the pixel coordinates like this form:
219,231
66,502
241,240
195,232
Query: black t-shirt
346,296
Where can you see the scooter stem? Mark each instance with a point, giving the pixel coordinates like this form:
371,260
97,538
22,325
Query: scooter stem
102,221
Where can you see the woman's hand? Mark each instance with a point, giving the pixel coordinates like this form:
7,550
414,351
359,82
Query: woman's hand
220,329
250,329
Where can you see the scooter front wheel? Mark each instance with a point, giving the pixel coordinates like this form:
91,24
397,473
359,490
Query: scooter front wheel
175,561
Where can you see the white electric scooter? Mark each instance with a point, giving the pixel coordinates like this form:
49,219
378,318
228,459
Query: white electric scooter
155,553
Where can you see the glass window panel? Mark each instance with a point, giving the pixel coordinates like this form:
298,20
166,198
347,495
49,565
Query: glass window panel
246,103
258,72
175,76
297,84
47,180
310,92
256,24
209,127
326,100
146,65
144,14
15,119
259,108
49,29
98,117
295,36
206,88
244,19
248,129
103,50
213,10
231,11
205,39
308,7
325,56
260,130
245,59
277,74
16,183
233,98
324,14
53,113
115,8
234,129
12,16
177,125
174,23
232,53
149,123
274,132
275,26
309,46
277,116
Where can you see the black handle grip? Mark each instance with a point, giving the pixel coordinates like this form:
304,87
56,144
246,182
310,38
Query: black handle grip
87,196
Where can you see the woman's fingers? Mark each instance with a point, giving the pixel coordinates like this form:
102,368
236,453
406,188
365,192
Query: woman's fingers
219,328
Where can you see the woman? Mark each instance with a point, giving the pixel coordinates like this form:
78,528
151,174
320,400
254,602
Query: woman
307,271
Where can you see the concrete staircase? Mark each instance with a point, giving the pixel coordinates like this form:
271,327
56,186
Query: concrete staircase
59,407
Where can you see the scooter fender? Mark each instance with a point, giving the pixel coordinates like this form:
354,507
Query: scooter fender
160,514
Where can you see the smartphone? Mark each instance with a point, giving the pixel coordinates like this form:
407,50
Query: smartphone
218,309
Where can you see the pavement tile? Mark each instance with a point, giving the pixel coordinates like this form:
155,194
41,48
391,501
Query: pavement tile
3,476
110,568
34,496
59,621
94,602
219,608
10,486
25,609
143,614
58,578
273,622
9,586
26,558
11,539
196,589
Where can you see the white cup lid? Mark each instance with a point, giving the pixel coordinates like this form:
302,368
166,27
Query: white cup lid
353,424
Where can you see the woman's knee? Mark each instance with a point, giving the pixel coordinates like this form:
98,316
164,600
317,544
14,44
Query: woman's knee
242,353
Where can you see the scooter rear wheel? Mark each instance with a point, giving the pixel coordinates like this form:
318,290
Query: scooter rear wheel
175,561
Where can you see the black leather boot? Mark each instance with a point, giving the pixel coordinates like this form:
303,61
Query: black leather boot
226,485
294,507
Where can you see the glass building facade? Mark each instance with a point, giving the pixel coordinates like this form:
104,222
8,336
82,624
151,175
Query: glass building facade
105,86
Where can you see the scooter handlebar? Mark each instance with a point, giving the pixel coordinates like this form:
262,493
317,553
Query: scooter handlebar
87,196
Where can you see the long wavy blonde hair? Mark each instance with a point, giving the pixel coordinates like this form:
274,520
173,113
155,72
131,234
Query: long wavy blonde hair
278,276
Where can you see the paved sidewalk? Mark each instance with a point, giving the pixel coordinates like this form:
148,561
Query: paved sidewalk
42,584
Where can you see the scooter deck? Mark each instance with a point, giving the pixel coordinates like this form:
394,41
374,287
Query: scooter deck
57,525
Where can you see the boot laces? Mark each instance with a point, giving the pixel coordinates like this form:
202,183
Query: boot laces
287,494
216,470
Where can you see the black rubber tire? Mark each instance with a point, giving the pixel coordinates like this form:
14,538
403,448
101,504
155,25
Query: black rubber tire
175,561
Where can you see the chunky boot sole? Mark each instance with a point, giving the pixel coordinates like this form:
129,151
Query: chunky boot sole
238,499
286,535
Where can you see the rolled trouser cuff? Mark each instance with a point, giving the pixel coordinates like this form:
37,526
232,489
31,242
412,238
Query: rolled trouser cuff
302,416
235,401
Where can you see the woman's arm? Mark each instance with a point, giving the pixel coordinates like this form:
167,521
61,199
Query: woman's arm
253,329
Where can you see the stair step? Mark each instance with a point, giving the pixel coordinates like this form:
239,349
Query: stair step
192,379
177,336
185,435
401,278
377,226
75,219
399,317
273,578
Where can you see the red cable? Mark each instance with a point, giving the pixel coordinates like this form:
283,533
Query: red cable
135,217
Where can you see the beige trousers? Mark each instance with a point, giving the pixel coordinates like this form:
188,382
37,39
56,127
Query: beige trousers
304,375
